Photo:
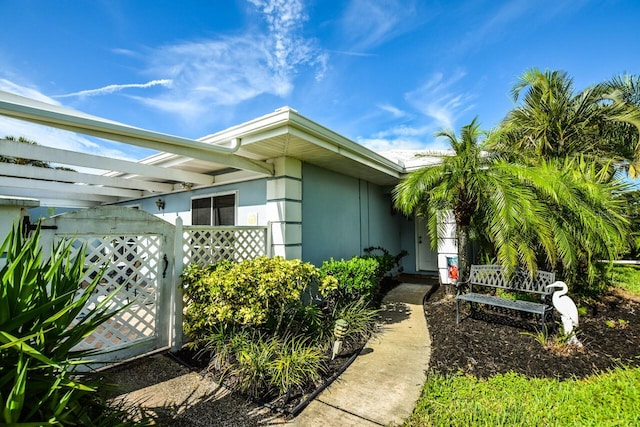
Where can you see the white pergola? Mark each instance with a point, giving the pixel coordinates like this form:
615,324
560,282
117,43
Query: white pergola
241,152
128,180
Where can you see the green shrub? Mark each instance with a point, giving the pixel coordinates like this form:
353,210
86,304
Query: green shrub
345,281
252,322
263,292
39,306
386,262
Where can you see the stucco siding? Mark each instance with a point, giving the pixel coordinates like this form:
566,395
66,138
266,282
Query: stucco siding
343,215
251,202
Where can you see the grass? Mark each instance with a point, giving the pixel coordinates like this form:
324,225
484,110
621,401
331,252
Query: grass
606,399
627,277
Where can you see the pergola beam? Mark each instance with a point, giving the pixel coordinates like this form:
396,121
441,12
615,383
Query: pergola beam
32,172
62,199
38,184
27,109
66,157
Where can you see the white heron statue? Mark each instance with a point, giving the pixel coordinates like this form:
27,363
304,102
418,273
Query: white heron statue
567,309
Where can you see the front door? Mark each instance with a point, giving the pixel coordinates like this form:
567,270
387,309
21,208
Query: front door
427,259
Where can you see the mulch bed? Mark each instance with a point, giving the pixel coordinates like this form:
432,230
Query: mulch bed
490,343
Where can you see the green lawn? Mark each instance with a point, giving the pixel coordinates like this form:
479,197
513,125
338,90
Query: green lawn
609,399
627,277
606,399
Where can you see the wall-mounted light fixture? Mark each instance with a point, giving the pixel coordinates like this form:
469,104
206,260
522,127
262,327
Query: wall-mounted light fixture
160,204
186,186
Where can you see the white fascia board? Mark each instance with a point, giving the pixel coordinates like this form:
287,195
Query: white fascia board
286,120
33,172
56,155
258,125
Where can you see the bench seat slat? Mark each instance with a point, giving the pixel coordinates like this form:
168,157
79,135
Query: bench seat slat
528,306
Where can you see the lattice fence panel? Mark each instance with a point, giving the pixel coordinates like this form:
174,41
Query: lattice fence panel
132,266
208,245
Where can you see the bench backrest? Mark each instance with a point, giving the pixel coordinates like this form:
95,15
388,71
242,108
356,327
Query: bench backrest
521,280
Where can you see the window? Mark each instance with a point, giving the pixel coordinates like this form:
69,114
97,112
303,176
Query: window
217,210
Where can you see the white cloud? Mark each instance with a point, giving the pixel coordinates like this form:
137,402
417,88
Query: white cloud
109,89
440,104
228,70
508,17
391,142
124,52
367,24
440,101
285,20
402,137
395,112
9,86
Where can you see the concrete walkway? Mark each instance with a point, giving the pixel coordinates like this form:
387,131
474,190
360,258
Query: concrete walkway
383,384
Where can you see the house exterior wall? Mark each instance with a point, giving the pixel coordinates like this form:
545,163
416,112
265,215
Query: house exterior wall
251,202
342,215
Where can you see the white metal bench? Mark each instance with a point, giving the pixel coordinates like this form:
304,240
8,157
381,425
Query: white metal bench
492,276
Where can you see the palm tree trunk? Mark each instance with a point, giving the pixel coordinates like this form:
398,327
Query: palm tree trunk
462,236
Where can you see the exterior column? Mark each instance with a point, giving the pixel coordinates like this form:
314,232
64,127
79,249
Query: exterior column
284,208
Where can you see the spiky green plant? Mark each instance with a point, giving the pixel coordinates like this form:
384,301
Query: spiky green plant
297,363
39,331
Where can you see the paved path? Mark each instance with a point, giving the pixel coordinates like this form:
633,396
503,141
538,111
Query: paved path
383,384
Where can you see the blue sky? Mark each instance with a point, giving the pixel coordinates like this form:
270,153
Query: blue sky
387,74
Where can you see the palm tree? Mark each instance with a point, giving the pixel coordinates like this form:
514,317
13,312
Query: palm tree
625,91
449,187
601,122
529,213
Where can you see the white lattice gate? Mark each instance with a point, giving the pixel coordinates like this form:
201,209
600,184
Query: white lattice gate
137,250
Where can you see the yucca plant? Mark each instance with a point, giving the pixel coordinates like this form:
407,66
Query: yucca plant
40,301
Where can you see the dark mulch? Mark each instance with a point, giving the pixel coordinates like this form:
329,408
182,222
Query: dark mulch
489,343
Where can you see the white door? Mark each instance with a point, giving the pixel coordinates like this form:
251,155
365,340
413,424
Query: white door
427,259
